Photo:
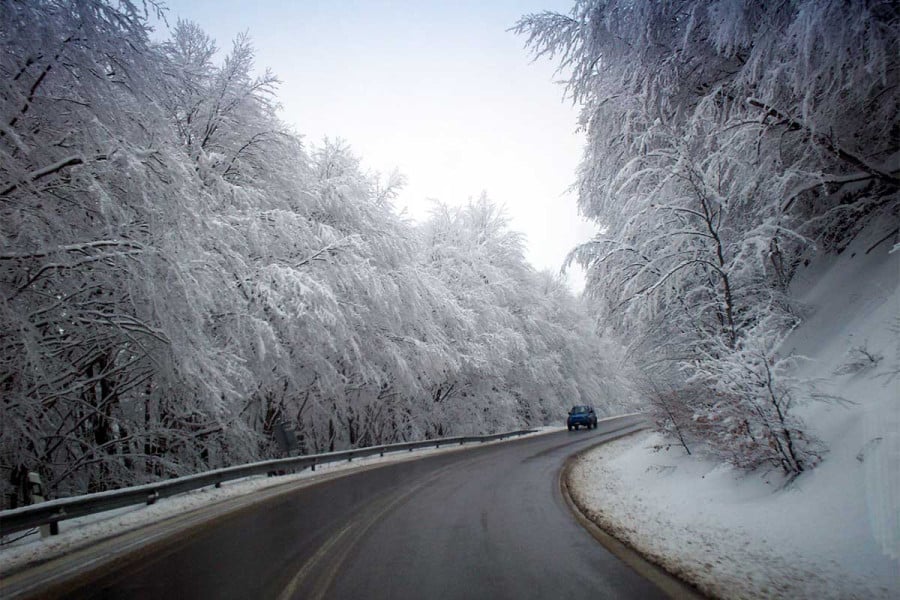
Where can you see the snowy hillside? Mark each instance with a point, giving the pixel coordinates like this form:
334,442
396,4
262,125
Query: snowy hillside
833,532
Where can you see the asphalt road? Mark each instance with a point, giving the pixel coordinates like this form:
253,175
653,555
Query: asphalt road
487,522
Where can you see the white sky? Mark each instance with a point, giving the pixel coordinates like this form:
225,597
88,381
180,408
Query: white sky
439,90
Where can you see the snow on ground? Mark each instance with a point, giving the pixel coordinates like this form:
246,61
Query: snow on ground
20,550
831,533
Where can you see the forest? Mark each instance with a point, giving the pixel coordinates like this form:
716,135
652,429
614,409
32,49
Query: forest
181,274
729,143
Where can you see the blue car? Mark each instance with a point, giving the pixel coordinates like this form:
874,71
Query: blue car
582,415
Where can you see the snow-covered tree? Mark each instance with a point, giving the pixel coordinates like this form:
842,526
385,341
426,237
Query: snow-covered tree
528,350
180,275
727,140
99,314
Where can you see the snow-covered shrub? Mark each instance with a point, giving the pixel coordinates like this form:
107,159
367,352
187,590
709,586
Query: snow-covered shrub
751,421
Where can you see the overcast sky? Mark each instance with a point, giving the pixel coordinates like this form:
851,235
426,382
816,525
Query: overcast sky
439,90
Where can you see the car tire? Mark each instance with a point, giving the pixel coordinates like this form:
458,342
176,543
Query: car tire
570,428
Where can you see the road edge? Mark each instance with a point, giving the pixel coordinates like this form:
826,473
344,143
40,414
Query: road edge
669,583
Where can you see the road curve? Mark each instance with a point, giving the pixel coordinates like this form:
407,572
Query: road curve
486,522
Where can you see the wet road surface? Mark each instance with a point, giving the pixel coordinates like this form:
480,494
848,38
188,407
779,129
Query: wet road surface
485,522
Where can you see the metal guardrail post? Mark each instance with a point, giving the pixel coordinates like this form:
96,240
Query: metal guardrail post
35,495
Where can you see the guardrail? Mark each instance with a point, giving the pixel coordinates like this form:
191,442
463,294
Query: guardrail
54,511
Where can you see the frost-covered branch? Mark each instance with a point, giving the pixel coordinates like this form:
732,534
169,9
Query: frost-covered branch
51,169
826,143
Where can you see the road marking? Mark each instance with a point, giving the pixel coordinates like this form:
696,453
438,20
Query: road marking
55,571
361,525
320,570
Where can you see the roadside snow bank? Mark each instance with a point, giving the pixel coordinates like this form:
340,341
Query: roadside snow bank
833,532
729,535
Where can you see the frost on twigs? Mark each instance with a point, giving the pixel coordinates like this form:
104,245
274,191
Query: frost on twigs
750,420
181,275
859,358
728,145
868,447
739,408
